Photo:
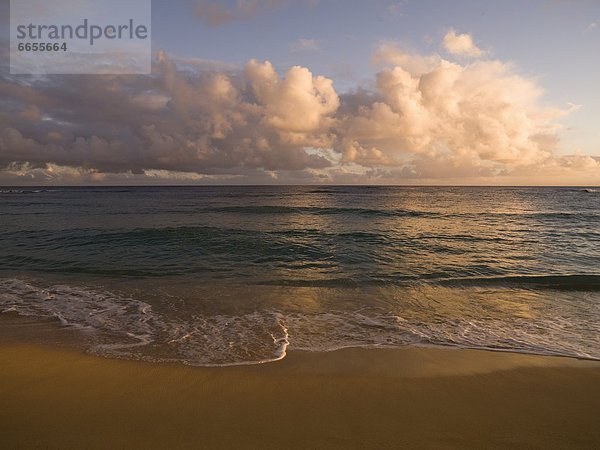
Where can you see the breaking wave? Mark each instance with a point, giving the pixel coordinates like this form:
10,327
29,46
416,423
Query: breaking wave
119,326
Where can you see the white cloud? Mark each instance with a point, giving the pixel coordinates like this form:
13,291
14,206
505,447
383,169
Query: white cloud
298,103
436,118
389,52
461,44
306,45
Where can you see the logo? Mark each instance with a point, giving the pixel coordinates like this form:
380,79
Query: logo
80,37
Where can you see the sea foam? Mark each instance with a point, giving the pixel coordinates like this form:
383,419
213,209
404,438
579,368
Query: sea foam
120,326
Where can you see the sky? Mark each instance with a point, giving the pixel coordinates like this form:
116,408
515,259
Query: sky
459,92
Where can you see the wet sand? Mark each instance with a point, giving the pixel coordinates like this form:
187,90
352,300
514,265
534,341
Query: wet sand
54,397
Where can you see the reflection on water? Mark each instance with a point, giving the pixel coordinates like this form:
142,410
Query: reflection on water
219,275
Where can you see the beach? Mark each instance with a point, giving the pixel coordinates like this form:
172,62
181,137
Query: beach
59,397
299,317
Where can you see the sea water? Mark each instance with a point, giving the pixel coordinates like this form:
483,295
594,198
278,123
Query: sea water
240,275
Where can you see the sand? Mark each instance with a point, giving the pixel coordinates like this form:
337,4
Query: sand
52,397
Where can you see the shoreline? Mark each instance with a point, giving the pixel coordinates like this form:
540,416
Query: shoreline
58,397
16,328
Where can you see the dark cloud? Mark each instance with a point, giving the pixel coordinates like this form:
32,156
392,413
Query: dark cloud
218,13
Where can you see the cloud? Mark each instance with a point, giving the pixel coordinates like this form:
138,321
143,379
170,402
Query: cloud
591,26
306,45
461,44
396,9
299,103
424,119
207,122
437,118
216,14
392,53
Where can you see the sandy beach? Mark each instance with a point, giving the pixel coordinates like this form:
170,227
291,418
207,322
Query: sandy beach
55,397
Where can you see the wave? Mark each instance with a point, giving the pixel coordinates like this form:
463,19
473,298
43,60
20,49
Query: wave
325,191
324,211
119,326
123,327
579,282
587,190
176,250
24,191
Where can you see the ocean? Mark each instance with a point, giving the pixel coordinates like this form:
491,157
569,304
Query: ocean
214,276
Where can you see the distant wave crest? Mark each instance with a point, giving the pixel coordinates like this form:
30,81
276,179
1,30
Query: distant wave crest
561,282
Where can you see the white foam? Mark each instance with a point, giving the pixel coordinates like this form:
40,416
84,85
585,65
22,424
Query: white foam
124,327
